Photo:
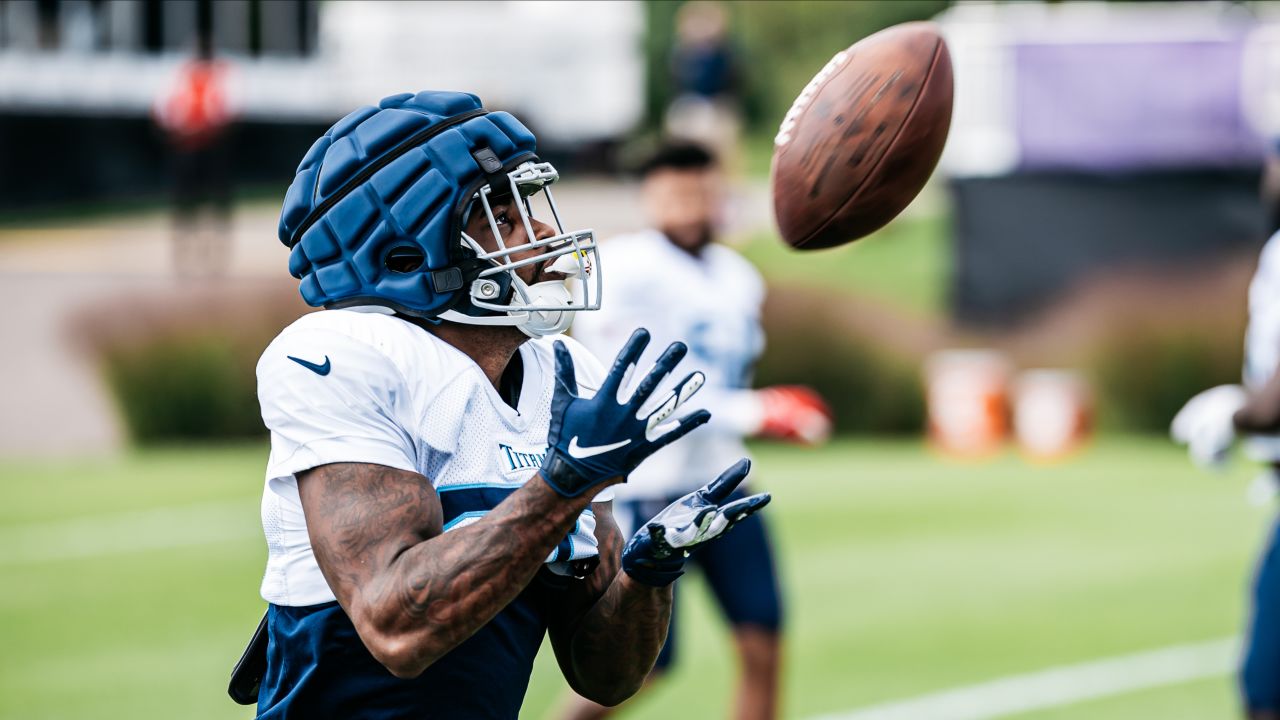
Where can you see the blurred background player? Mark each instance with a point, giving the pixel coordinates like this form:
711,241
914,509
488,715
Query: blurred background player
195,116
680,283
1208,425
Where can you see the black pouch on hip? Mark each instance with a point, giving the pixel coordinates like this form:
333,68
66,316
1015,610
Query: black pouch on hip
246,676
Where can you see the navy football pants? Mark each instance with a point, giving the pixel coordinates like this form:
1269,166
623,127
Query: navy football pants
738,567
1260,671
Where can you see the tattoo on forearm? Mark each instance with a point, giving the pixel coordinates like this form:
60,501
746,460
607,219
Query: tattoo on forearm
608,644
620,638
378,536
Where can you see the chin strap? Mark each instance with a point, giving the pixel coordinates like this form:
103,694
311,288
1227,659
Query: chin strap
539,323
534,323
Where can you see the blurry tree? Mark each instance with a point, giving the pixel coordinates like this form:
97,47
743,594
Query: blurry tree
660,16
782,44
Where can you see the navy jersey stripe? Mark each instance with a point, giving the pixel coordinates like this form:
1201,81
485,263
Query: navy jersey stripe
471,498
467,501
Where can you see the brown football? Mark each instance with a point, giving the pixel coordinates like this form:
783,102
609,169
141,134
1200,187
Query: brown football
863,137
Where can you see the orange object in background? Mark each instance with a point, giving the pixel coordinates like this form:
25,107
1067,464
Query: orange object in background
968,401
1052,413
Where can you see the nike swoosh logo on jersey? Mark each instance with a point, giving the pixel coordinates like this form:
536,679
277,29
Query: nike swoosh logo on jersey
577,451
313,367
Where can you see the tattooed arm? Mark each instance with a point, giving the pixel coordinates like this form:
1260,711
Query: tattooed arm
413,592
607,645
609,633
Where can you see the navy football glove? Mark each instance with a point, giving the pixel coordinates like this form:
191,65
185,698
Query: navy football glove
655,555
605,436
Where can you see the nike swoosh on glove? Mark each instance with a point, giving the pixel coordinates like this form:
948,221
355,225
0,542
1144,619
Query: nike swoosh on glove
594,439
1206,426
656,554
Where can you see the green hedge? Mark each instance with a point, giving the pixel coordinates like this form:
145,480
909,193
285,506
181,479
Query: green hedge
1146,345
869,391
1150,342
187,386
1142,379
180,363
873,385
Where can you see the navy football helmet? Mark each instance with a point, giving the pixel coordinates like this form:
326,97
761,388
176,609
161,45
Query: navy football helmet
377,211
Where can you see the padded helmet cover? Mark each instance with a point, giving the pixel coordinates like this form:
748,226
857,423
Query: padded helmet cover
392,180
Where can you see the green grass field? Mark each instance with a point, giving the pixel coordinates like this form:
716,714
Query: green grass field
904,575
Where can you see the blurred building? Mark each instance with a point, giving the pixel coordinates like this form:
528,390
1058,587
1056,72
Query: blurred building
78,77
1091,137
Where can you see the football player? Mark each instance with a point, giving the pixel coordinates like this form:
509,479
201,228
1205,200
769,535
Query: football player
680,283
1208,425
438,492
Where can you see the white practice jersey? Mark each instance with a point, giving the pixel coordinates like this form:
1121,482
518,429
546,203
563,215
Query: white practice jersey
1262,339
711,303
362,386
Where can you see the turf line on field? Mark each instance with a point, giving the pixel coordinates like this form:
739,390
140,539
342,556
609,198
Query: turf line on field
127,532
1062,685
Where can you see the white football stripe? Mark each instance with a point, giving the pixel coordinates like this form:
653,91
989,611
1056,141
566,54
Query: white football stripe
656,432
692,386
1059,686
625,389
663,413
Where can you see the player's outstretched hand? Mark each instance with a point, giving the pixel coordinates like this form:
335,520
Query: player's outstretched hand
655,555
603,437
1206,424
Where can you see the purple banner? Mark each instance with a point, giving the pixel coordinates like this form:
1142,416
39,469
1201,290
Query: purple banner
1130,106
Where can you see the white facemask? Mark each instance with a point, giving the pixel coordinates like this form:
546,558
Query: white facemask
543,308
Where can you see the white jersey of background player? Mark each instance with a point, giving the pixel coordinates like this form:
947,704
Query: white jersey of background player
1209,422
1262,340
680,284
435,414
711,301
